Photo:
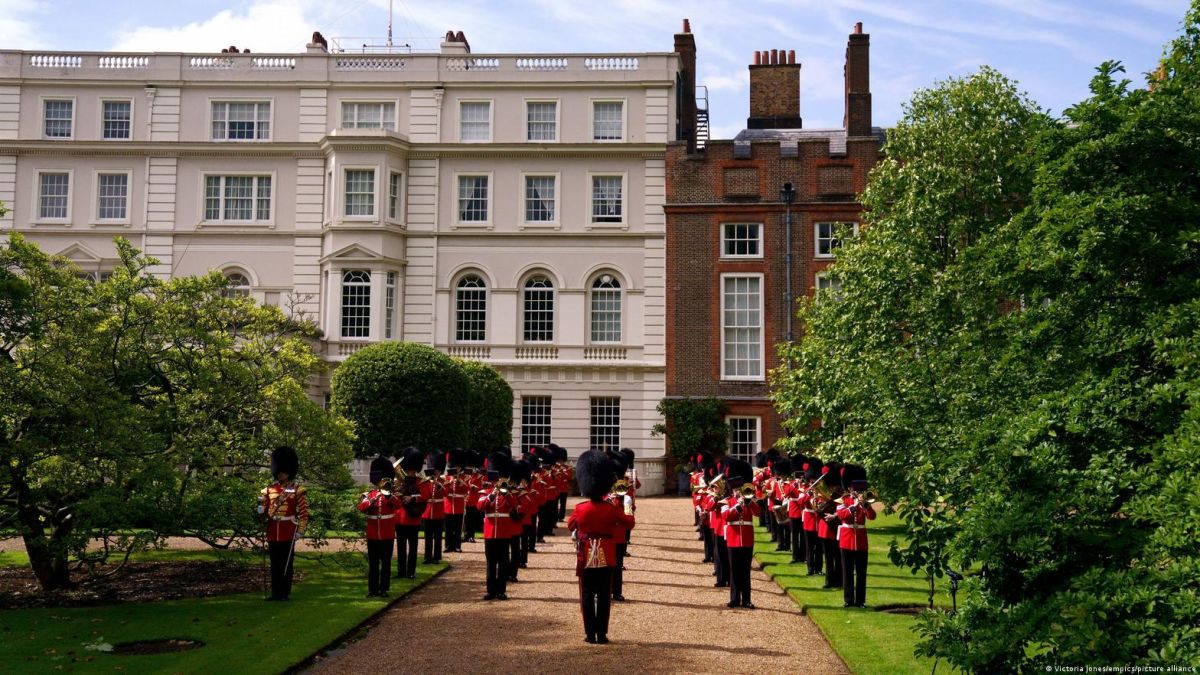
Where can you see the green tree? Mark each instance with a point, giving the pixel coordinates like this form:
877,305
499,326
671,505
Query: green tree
400,394
490,418
692,425
136,408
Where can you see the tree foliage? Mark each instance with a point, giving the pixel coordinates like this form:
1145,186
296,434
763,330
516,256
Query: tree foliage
692,425
137,408
1014,356
400,394
490,414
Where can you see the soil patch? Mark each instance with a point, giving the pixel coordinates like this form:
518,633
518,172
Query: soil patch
147,647
902,609
137,582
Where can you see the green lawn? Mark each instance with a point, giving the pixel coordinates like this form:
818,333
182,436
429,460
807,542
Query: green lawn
870,642
242,633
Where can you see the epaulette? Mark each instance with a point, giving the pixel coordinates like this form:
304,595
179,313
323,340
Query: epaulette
300,489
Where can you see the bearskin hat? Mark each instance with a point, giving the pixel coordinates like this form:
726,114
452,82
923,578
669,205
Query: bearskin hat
813,470
781,468
737,472
501,463
284,460
594,473
411,459
438,461
522,470
628,458
760,460
559,453
381,467
854,476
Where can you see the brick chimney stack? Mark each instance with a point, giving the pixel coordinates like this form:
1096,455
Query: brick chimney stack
685,108
774,90
858,83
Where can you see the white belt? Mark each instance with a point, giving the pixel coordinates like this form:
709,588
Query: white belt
453,496
386,516
740,522
291,519
854,527
810,510
495,515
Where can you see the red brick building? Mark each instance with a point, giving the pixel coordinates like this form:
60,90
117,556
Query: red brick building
726,230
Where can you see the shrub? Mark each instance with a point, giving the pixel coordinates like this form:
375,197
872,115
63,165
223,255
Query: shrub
490,418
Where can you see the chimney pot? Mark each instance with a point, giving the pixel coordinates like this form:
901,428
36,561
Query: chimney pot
791,57
858,28
774,57
757,58
687,26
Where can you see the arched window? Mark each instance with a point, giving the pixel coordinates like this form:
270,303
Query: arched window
239,285
470,309
356,304
606,309
539,309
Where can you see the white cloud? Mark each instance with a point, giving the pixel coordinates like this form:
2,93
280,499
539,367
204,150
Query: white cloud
17,31
271,26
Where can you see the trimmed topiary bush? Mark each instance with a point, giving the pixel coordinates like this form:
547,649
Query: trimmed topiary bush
400,394
491,410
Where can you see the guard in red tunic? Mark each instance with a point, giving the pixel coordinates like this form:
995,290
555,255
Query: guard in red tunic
854,512
739,510
716,522
812,518
458,490
414,491
564,473
794,499
527,504
594,524
776,488
433,519
284,506
475,480
498,506
379,505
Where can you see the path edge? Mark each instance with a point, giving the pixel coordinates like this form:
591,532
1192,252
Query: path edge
762,567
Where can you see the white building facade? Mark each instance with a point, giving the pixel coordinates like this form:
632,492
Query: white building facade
505,208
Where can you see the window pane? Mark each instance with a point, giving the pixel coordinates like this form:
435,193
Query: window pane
535,421
389,305
212,198
117,118
360,192
394,195
474,120
539,310
239,285
53,189
58,116
539,199
605,422
113,197
356,304
743,437
541,121
239,198
241,121
369,116
472,199
742,327
470,303
606,309
606,199
741,240
606,120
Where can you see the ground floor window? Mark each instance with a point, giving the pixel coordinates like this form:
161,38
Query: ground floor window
743,437
606,422
535,421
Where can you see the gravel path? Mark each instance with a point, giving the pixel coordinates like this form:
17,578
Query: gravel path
674,620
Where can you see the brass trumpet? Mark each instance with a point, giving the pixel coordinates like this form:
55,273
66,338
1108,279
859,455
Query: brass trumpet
503,486
748,492
621,487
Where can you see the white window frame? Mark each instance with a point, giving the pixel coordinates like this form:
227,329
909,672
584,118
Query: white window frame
235,291
624,120
454,314
37,218
549,433
556,223
390,297
554,307
344,202
270,120
491,120
740,256
817,236
270,222
762,366
621,293
341,302
557,120
824,275
380,102
398,216
491,200
622,224
593,427
96,219
42,117
132,114
758,432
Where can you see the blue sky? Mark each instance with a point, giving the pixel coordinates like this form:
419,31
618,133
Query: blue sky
1050,47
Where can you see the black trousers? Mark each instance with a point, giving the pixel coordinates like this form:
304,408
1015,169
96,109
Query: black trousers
514,557
547,515
562,506
833,563
281,568
739,574
618,575
528,542
814,551
707,534
799,543
454,531
434,527
785,535
406,550
495,551
535,525
854,577
595,586
764,515
379,566
474,523
721,560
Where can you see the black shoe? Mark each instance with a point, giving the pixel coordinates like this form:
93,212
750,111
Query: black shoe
412,576
602,640
523,566
427,561
619,598
706,560
747,605
794,561
489,596
502,596
590,640
270,598
861,605
722,584
846,605
731,604
383,594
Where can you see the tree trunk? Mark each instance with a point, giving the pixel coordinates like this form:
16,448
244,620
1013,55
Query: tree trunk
49,562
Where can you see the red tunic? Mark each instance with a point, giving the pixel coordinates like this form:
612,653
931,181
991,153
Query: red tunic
422,493
497,515
810,518
739,522
795,506
712,506
852,533
457,492
381,514
435,508
527,501
286,509
619,536
596,525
